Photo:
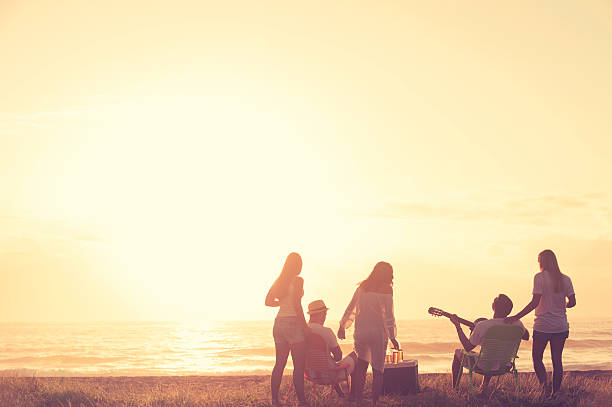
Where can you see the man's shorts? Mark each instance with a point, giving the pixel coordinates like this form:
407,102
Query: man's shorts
468,360
349,360
335,376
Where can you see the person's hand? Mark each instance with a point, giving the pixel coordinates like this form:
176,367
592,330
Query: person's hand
341,333
455,320
511,320
395,344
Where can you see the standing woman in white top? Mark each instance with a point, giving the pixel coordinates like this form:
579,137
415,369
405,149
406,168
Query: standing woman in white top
372,310
290,327
550,289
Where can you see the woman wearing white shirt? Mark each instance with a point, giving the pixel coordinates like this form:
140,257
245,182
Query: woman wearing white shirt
550,289
372,310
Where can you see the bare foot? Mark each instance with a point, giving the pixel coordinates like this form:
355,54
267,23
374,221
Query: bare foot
546,390
557,396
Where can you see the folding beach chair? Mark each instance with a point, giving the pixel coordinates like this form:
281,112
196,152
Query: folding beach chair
318,369
497,354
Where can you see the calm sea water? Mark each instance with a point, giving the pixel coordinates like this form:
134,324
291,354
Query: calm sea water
127,349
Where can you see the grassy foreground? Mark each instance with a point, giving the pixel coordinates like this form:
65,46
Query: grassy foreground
580,389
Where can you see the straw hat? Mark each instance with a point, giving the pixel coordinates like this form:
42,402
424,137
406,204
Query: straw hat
317,306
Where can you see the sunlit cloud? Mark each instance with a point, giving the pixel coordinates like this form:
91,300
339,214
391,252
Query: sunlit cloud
20,228
15,123
536,211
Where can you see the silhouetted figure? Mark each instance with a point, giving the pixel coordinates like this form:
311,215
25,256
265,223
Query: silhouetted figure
502,306
372,310
290,328
550,289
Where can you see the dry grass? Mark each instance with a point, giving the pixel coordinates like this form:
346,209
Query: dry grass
588,389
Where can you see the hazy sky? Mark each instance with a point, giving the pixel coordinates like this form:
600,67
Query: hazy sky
158,160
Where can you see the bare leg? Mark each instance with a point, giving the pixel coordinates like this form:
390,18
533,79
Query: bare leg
358,379
298,355
377,383
537,353
456,369
338,390
556,351
282,353
485,382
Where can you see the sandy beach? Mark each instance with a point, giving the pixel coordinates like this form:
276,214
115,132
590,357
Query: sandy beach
580,388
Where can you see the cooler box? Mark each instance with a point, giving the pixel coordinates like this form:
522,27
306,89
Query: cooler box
401,378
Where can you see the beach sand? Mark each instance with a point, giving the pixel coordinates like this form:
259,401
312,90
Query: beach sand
588,388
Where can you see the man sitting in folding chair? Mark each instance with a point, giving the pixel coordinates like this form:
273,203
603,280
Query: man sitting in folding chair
502,305
324,363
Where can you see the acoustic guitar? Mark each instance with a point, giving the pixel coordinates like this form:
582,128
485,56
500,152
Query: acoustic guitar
437,312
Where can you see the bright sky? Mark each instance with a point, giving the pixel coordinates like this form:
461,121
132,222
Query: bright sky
158,160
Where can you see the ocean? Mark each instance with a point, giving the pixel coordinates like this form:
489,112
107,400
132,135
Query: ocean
236,348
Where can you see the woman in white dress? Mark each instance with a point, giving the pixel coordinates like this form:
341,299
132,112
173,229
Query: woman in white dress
550,289
290,328
372,310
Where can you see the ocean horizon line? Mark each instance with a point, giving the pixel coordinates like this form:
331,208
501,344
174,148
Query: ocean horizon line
329,321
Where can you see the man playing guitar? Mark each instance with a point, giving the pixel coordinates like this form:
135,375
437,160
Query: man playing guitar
502,306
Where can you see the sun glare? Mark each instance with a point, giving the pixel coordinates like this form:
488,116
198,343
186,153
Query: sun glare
193,191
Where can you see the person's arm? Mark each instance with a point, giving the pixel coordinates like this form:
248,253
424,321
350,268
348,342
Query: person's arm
571,301
525,334
467,345
299,286
337,352
389,316
272,301
528,308
349,315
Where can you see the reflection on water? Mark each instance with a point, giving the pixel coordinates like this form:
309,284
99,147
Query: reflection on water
233,347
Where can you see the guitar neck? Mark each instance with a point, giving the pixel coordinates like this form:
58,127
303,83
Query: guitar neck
465,322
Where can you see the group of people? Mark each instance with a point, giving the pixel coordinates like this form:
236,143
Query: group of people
371,311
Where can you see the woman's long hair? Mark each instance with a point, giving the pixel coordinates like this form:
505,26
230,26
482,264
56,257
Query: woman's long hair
381,275
548,262
291,268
